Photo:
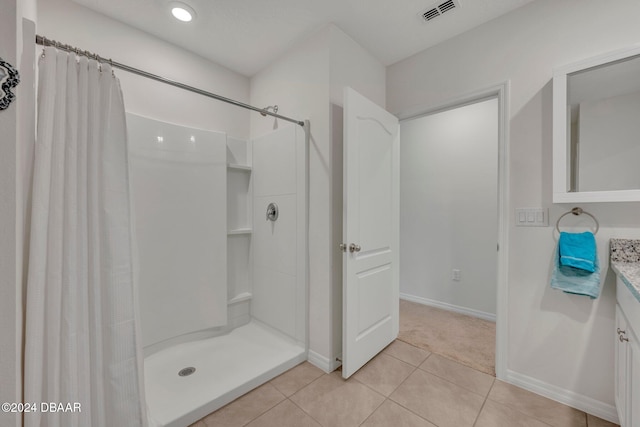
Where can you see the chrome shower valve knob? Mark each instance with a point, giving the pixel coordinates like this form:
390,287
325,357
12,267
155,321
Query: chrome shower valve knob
272,212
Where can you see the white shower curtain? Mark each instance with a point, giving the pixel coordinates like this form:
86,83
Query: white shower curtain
82,335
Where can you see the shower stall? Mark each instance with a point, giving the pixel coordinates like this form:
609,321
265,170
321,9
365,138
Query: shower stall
219,244
220,234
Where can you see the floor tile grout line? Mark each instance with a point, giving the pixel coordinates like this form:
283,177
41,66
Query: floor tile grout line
412,411
413,316
307,385
495,380
401,405
268,409
308,414
457,385
480,411
484,402
415,368
392,391
444,356
412,345
392,356
411,364
302,388
520,412
373,389
321,376
354,379
372,412
203,419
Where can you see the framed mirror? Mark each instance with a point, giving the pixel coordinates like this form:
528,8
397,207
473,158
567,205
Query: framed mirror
596,129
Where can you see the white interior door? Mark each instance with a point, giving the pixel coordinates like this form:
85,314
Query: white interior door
370,231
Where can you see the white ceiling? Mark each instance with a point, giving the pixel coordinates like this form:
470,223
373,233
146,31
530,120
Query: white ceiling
246,35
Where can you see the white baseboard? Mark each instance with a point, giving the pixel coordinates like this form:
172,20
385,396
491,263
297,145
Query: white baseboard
322,362
587,404
450,307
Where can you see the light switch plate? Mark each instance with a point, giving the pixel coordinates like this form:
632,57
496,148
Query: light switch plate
532,217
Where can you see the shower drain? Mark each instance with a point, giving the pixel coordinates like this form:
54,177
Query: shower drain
186,371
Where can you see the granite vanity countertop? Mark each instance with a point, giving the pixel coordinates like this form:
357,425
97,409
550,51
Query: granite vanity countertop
625,261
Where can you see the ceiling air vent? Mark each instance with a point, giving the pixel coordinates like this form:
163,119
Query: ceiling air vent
438,9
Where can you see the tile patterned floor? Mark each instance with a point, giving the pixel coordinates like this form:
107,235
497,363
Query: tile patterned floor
403,386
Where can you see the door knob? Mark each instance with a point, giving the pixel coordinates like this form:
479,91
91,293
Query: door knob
354,248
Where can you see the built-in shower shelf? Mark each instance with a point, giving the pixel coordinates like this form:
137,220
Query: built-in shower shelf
245,296
239,231
240,167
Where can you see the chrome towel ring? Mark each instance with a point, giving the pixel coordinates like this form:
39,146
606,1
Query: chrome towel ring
578,211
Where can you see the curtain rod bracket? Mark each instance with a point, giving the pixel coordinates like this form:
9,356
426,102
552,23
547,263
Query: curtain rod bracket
265,110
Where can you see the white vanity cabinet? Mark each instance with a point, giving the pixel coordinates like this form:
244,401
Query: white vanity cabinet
627,357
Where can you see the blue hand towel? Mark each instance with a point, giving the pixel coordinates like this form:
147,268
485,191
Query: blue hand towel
578,250
575,280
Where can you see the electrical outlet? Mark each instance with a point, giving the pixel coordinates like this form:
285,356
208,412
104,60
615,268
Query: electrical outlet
456,275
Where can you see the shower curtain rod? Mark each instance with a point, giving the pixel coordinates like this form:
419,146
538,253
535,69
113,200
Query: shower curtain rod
47,42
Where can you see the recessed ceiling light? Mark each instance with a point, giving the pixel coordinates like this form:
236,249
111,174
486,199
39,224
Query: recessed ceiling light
182,12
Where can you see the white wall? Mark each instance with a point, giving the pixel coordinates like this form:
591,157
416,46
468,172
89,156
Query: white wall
303,83
449,207
608,143
561,344
353,66
10,290
17,127
70,23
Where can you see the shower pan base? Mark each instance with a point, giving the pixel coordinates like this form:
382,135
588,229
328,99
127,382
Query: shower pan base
226,367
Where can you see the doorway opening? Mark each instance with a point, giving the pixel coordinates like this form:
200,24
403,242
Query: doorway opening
453,229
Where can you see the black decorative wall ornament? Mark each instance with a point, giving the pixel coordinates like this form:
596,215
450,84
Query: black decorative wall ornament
9,78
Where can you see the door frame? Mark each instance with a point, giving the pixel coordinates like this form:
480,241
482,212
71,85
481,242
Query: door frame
501,92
